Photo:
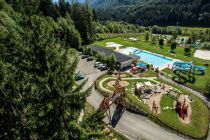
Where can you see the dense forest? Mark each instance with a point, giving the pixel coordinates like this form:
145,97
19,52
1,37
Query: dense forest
155,12
38,96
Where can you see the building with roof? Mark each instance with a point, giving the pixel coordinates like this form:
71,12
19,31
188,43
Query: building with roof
123,60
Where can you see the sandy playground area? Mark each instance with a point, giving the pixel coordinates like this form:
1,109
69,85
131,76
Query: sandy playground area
187,118
122,83
156,97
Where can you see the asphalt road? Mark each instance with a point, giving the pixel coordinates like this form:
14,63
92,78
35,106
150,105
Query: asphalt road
132,125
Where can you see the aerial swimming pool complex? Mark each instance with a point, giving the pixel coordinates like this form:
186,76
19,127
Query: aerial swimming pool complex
148,57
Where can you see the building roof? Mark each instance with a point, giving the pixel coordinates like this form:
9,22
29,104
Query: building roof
119,56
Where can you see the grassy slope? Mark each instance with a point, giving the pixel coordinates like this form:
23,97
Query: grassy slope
200,81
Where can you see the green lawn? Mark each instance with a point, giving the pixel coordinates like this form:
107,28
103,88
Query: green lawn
199,83
148,73
179,54
197,128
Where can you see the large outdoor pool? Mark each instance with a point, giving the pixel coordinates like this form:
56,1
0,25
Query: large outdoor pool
151,58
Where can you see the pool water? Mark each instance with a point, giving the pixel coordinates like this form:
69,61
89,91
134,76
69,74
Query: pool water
147,57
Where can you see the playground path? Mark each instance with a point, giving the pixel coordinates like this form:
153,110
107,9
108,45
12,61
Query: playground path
144,78
104,89
132,125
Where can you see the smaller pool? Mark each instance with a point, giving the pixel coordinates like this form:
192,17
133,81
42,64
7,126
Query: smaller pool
141,65
148,57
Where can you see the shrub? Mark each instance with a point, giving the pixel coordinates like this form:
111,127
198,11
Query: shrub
161,43
189,41
168,42
173,46
187,51
146,36
153,39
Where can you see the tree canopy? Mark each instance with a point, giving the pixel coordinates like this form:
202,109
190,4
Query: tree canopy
39,99
161,12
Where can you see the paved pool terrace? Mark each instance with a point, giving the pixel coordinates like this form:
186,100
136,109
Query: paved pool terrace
157,60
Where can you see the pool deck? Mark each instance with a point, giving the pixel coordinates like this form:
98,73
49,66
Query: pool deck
167,65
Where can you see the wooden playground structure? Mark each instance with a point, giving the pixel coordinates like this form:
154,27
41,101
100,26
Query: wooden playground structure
183,108
117,97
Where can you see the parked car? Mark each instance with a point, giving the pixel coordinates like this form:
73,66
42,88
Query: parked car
79,76
96,64
104,68
84,56
100,65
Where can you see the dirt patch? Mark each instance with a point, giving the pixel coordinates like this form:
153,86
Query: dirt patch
122,83
156,98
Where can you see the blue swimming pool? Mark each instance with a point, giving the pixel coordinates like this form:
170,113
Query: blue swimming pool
147,57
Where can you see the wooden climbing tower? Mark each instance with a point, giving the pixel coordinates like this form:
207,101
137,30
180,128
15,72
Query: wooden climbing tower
117,97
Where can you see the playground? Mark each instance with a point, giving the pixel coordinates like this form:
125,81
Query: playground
151,94
172,105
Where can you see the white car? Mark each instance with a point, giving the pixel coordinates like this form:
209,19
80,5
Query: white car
96,64
100,65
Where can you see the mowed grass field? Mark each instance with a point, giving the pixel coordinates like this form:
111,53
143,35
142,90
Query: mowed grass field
201,80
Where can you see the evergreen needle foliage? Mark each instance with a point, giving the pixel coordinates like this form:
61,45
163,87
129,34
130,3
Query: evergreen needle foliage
38,96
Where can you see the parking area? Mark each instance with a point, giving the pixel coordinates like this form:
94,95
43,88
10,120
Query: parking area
87,68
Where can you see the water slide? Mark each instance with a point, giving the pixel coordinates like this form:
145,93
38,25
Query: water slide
185,66
137,51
